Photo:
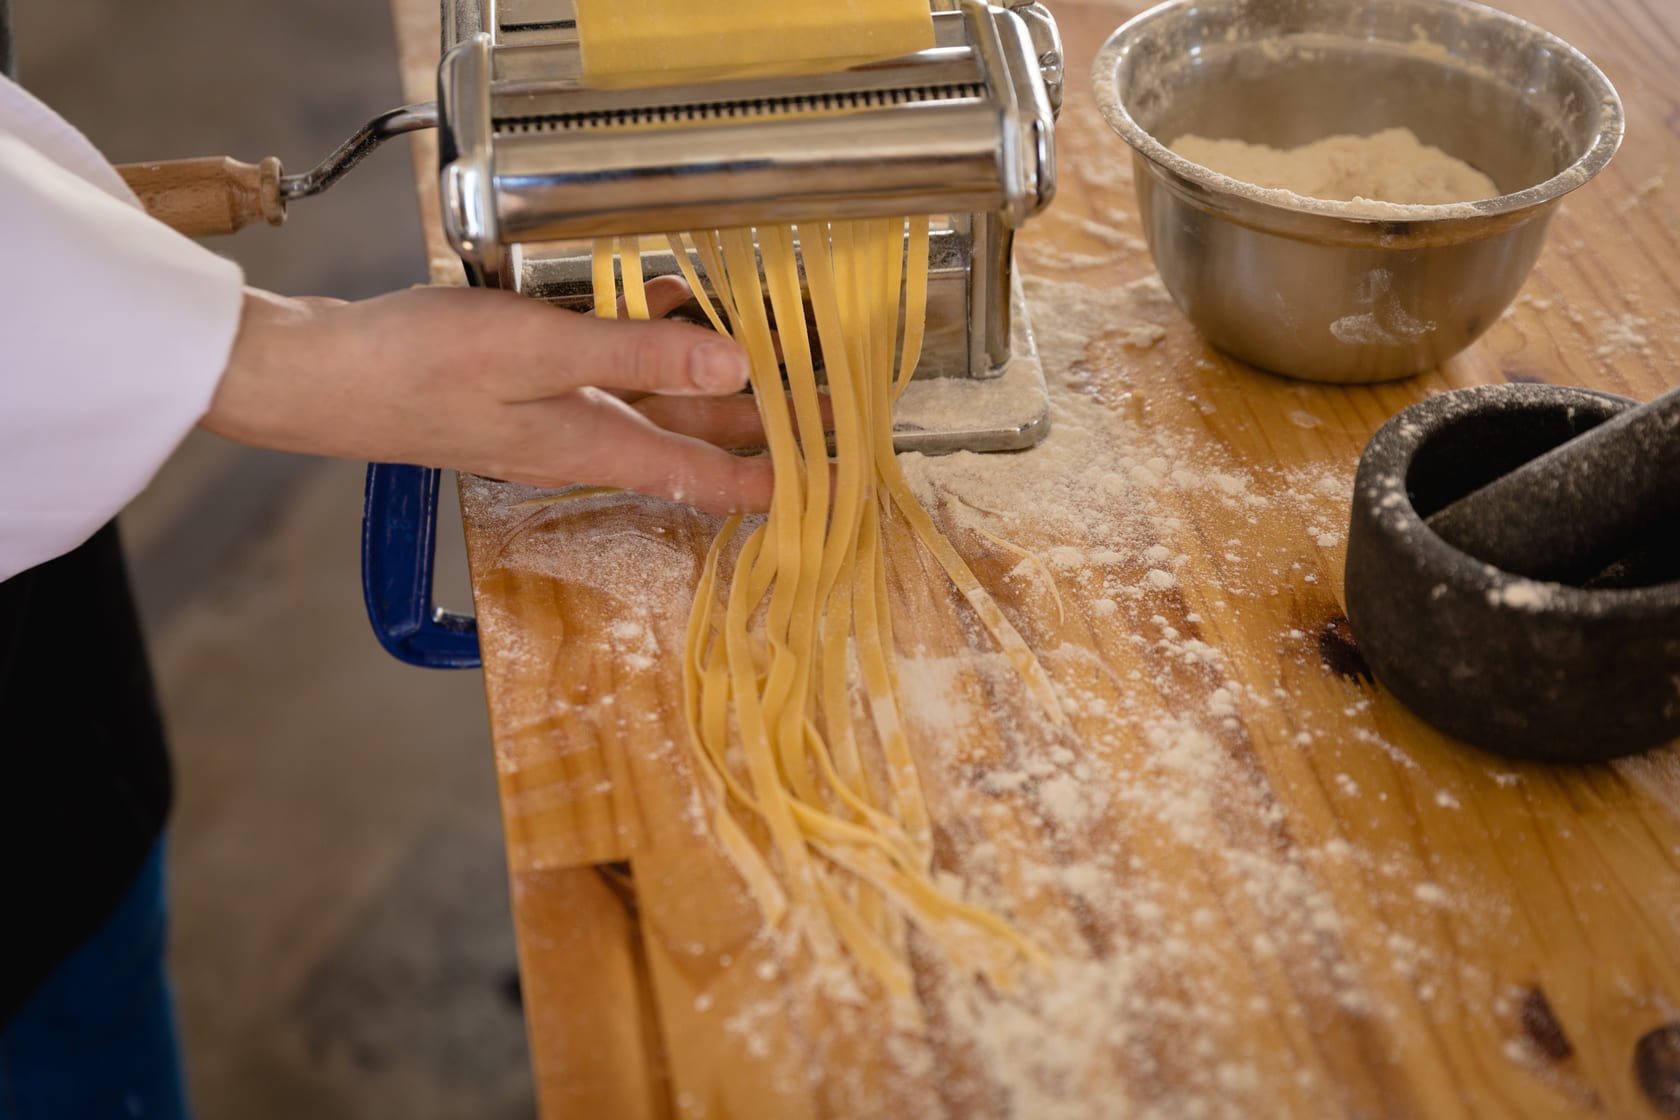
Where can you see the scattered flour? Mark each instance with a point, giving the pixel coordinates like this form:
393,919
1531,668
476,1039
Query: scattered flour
1522,594
1146,842
1623,335
1144,335
1640,195
1156,773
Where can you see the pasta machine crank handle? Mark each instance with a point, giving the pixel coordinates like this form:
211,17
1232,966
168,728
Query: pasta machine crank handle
1047,45
217,195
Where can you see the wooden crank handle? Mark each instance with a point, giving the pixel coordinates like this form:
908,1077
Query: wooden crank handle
208,197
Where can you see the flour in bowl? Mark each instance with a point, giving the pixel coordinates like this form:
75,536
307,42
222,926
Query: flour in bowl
1392,166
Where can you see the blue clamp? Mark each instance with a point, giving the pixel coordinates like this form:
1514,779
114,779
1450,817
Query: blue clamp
399,541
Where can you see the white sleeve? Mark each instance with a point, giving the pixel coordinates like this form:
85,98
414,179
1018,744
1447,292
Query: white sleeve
116,331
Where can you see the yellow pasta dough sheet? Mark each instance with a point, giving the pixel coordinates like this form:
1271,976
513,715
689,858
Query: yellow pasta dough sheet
652,42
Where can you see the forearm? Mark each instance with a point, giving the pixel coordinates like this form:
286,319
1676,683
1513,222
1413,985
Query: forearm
497,384
124,334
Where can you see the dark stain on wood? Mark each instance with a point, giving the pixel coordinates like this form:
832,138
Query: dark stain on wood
1524,375
622,882
1656,1065
1340,652
1542,1029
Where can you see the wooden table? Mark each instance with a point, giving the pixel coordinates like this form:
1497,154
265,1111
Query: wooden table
1269,888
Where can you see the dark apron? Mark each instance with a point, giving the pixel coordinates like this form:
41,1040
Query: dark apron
8,57
84,777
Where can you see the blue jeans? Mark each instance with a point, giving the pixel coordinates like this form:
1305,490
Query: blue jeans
98,1039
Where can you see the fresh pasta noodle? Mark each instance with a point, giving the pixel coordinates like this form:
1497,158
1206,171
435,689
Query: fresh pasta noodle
828,826
771,651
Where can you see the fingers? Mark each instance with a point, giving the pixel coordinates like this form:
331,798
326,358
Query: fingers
652,357
635,360
623,449
529,350
485,382
731,422
665,294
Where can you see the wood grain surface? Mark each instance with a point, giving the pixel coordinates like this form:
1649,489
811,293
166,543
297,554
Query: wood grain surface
1269,889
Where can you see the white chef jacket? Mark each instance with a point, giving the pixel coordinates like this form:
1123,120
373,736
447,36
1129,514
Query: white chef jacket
114,330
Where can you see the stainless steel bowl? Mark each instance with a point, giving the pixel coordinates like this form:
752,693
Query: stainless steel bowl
1300,286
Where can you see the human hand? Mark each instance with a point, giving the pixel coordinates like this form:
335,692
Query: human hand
497,384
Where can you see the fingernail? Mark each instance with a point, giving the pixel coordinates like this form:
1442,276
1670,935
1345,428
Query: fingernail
717,367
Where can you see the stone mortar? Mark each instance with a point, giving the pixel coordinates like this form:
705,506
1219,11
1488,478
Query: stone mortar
1524,668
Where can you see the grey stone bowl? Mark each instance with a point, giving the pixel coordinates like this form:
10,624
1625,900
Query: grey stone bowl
1522,668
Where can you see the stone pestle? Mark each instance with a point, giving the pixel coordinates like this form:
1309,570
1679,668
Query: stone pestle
1569,514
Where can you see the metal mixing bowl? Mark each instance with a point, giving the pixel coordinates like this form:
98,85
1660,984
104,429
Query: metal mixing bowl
1300,286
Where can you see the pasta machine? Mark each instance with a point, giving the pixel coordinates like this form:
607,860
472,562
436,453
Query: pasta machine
535,162
534,159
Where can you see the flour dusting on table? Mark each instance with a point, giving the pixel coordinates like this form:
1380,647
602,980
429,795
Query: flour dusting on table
1146,846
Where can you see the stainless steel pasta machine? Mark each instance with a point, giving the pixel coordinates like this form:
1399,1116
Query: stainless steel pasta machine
534,159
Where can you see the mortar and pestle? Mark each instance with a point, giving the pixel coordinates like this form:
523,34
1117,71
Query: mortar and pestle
1513,568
